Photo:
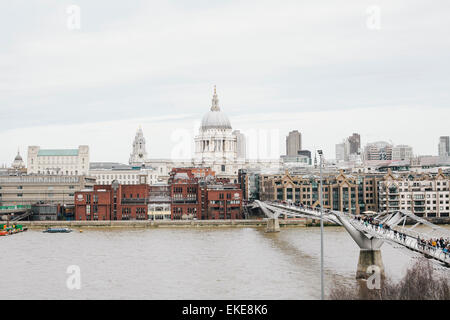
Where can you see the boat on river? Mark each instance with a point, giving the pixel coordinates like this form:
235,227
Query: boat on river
58,230
6,230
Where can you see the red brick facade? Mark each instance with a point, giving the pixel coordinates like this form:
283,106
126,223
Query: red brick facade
195,193
119,202
223,203
203,196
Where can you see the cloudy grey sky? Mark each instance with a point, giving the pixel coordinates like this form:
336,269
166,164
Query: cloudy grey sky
320,67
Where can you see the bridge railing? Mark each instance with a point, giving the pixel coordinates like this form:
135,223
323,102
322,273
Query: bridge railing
410,241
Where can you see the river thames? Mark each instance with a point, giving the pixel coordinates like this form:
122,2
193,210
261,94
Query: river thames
183,263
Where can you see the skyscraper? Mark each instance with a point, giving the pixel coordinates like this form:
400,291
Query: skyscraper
444,146
293,143
354,143
241,145
380,150
341,151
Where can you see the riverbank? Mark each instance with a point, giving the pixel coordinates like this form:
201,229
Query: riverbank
250,223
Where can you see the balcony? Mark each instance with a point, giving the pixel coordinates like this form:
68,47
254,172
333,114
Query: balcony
184,199
134,201
394,204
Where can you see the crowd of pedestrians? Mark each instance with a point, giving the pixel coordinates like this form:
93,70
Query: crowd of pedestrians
430,244
434,244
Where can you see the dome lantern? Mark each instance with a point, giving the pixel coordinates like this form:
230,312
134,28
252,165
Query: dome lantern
215,119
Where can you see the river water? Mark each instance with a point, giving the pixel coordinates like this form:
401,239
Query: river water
182,263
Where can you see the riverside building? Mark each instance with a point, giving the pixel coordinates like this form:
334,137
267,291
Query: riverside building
107,172
112,202
343,192
49,189
191,193
423,194
68,162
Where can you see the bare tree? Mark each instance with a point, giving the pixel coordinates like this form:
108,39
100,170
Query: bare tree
419,283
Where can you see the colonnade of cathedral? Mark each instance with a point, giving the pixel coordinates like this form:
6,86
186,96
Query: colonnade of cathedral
215,145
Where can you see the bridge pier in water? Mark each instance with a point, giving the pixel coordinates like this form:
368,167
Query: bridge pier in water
369,258
273,225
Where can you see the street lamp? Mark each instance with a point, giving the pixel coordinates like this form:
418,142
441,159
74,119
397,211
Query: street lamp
321,227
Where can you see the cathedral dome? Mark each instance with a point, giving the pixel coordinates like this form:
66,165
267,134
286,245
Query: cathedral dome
215,119
18,162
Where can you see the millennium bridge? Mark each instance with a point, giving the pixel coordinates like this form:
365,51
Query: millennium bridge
387,227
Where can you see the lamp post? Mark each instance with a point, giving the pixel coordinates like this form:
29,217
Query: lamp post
321,227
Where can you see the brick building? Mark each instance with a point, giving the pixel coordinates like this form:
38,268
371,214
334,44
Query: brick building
185,195
112,202
200,195
221,202
191,193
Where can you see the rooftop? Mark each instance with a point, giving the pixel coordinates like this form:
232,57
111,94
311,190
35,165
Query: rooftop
111,166
57,152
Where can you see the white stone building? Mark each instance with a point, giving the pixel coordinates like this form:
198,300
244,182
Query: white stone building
106,172
216,147
58,161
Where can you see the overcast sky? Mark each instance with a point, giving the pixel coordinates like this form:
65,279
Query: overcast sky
320,67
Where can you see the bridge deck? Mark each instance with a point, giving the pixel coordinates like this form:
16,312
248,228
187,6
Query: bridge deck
410,242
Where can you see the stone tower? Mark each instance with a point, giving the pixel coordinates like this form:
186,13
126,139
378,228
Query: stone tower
139,154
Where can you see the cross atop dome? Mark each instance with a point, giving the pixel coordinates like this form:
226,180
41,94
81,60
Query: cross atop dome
215,101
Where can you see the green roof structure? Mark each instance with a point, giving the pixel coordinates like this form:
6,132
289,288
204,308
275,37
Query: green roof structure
57,152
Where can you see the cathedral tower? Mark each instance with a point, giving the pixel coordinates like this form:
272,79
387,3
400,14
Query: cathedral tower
139,154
